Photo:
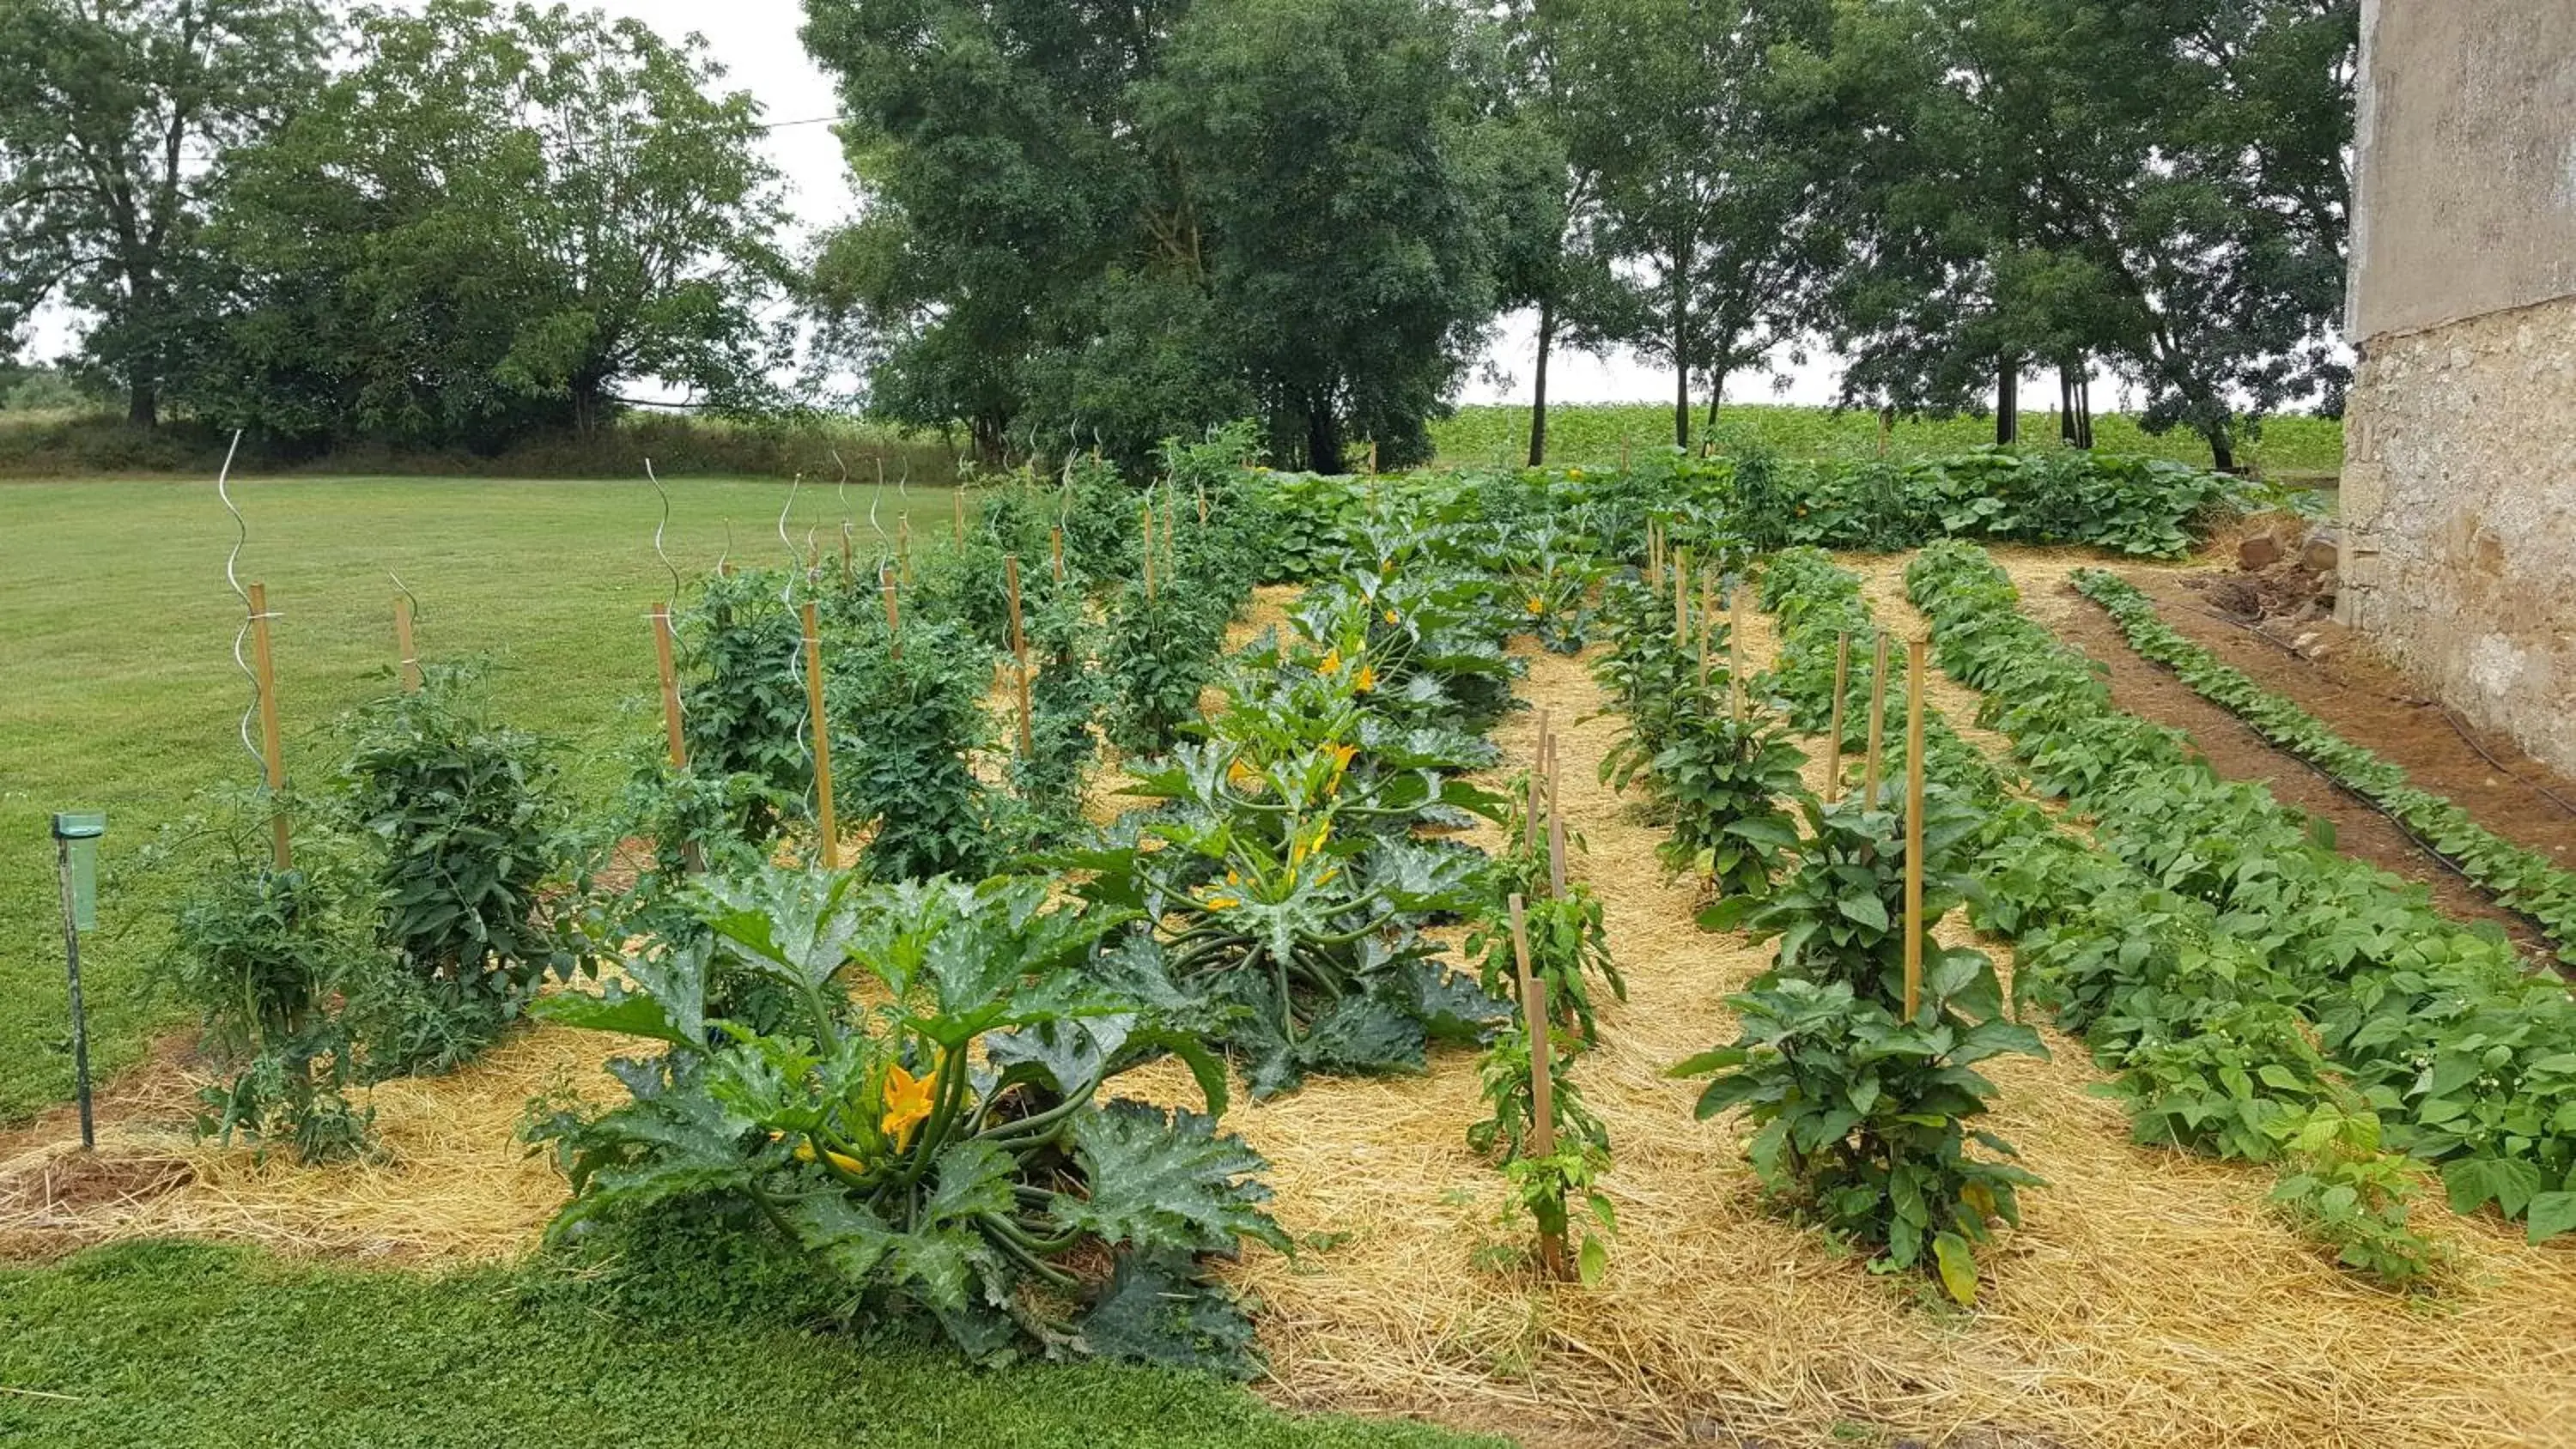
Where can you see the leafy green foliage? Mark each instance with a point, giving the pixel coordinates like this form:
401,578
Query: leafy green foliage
1568,947
2468,1062
1504,1081
873,1140
1863,1111
268,958
2341,1191
493,220
103,154
473,838
2519,878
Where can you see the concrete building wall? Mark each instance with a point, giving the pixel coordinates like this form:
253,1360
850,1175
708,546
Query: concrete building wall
2459,483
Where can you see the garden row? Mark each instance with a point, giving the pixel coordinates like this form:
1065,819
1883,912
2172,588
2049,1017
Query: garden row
2254,971
2519,879
2139,506
2121,961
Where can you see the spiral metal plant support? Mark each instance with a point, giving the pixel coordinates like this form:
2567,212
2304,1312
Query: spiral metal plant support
241,635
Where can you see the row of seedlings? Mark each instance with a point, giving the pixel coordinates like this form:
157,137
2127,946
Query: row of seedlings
2518,878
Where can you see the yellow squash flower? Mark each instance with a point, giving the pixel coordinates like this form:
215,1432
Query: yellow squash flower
1243,776
1574,473
1332,662
1391,617
1537,605
1367,680
1222,903
1302,846
907,1103
1342,757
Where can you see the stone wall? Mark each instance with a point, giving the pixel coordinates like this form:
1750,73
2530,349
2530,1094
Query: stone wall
2459,481
2459,505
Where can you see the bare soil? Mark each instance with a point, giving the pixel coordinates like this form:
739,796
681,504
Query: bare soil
2339,681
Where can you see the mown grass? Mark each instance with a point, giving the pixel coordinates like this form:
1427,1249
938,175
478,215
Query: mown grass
116,635
172,1346
1593,434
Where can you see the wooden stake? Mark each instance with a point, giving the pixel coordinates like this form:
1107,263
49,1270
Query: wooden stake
957,504
1735,654
822,732
1530,827
1020,651
1913,826
894,618
272,739
669,662
1203,505
1834,739
1551,1248
404,656
1372,457
848,570
1877,725
1555,831
1149,548
903,547
1056,546
1681,599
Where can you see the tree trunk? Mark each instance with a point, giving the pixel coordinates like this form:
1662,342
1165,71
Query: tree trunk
1538,394
143,403
1681,349
1716,393
2084,411
2065,405
2008,401
1323,438
2222,447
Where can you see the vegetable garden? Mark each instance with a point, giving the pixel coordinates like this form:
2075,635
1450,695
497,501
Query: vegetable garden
1671,952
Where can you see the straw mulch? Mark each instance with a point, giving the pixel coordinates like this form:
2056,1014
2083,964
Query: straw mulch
2147,1301
451,1183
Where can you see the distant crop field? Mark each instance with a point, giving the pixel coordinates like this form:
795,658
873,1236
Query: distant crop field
1594,433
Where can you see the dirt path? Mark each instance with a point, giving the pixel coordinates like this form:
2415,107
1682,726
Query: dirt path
2232,747
2373,705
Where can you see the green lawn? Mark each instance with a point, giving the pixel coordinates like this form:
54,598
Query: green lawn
174,1346
1592,434
116,634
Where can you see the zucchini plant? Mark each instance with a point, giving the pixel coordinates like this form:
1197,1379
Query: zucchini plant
1000,1190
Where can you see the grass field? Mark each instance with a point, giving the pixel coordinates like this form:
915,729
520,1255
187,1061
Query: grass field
1593,433
178,1346
116,631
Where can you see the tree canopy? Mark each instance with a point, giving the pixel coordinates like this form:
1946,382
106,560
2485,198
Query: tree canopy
1108,222
488,224
113,115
